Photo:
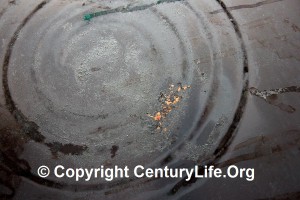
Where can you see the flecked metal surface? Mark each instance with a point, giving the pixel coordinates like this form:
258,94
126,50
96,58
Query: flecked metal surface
80,93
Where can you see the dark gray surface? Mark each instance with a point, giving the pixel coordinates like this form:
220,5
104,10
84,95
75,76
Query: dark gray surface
78,94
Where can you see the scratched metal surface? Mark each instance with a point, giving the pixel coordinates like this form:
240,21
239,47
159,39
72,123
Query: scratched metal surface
79,93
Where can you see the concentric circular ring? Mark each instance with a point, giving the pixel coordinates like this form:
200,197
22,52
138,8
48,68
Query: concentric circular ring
87,87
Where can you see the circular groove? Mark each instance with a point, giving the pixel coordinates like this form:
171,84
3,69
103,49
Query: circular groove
33,128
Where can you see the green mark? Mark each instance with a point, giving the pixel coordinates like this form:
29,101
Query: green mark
88,17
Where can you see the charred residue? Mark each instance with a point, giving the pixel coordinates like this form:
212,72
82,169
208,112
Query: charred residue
271,96
28,127
114,150
168,101
15,133
226,140
67,149
244,6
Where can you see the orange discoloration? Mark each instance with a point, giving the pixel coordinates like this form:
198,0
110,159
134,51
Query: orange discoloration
168,102
157,116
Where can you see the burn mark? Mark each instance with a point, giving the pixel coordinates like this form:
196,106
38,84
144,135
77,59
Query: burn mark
9,102
226,140
30,128
168,101
12,168
271,96
114,150
246,6
67,149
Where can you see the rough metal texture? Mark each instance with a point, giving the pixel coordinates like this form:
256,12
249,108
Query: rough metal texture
79,93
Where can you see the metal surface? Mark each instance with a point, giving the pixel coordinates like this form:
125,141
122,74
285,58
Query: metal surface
80,93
